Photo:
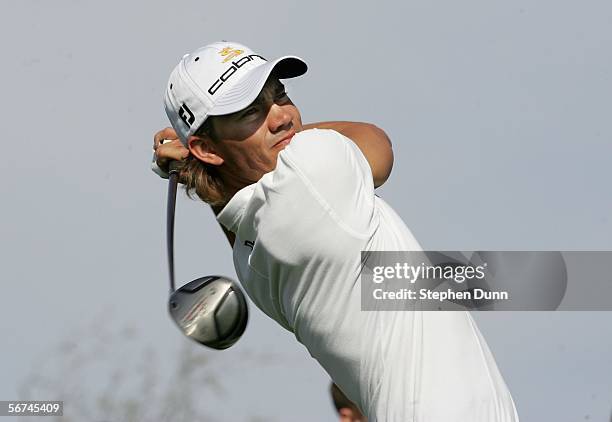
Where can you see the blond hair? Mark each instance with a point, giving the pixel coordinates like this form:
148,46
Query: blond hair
202,179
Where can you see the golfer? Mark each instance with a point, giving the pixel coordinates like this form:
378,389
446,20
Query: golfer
298,205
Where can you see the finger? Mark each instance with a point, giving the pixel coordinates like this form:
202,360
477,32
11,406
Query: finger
172,144
166,133
173,150
165,142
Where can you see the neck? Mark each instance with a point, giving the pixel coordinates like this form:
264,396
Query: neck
233,183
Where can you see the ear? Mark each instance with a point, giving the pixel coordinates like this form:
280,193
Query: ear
202,148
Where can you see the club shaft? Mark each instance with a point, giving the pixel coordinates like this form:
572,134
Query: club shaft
172,187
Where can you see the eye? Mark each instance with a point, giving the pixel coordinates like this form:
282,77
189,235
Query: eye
249,111
281,97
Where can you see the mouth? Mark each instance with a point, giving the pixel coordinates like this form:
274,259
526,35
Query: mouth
285,140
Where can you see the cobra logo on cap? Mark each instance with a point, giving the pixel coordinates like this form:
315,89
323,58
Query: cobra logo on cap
231,70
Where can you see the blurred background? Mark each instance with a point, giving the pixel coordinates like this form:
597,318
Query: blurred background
496,111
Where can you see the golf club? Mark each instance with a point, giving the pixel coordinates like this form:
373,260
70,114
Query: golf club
210,310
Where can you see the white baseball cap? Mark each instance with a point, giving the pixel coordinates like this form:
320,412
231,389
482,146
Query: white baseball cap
219,78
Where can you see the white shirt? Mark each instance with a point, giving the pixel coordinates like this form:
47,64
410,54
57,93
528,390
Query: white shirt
299,232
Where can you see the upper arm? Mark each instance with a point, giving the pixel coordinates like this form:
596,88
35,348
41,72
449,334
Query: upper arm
371,140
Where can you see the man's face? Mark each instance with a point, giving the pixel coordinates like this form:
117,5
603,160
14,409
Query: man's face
249,140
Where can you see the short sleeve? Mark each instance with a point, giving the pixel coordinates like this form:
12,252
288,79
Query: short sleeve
337,173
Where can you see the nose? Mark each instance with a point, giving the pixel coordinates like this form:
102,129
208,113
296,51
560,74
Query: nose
279,118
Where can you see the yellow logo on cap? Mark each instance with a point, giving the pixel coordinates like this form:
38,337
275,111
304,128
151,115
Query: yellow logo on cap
229,53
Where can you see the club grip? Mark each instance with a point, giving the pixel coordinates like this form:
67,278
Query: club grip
173,167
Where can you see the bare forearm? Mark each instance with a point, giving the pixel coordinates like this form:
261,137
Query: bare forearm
371,140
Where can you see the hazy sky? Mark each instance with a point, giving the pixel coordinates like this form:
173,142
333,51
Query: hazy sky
497,113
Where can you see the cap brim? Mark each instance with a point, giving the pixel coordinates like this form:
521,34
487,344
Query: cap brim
246,89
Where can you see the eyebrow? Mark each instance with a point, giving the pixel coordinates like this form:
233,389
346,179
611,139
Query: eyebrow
276,89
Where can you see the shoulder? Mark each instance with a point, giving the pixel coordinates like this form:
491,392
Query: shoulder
335,175
325,152
319,141
317,135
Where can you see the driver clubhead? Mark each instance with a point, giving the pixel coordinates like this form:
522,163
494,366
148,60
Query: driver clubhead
211,310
